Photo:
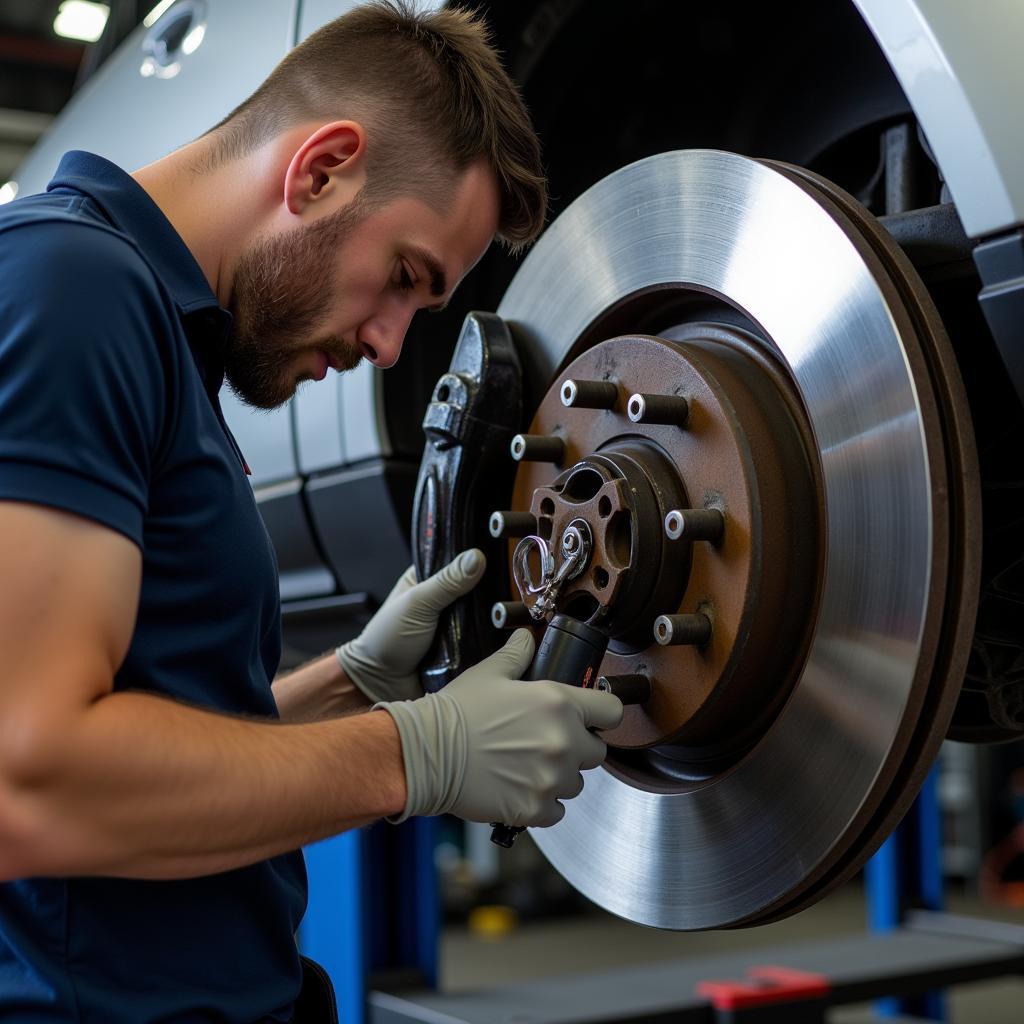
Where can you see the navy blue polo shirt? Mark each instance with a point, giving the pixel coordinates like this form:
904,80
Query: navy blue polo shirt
109,374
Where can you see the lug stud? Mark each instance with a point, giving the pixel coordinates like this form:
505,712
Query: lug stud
510,615
589,394
512,524
674,630
694,524
633,689
671,410
537,448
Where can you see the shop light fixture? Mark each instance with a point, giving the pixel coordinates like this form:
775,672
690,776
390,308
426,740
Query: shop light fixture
191,42
8,191
81,19
154,15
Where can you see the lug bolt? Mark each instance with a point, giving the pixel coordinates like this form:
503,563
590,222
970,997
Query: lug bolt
673,630
512,524
510,615
537,448
589,394
694,524
671,410
634,689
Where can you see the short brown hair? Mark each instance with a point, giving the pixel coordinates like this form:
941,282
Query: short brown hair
434,93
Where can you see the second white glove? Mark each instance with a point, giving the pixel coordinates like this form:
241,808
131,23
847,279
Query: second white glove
489,747
383,661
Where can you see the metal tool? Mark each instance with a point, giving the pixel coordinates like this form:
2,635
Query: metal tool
575,545
569,652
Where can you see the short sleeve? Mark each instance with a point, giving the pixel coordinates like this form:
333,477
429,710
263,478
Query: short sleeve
84,342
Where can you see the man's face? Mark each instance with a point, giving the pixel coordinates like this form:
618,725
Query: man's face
345,287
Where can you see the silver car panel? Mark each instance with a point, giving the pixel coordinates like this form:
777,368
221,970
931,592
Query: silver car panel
362,421
265,438
134,119
960,66
301,571
317,411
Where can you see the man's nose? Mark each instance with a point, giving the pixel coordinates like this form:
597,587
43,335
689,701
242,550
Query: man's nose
381,337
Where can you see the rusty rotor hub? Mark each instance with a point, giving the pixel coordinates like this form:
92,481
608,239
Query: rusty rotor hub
737,447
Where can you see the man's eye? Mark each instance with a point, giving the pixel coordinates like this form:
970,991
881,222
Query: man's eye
405,282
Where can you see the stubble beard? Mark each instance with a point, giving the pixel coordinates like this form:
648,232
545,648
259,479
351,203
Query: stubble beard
279,295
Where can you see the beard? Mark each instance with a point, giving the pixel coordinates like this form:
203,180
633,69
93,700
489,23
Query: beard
279,295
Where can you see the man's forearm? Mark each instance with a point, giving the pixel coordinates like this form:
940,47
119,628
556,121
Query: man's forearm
319,689
139,786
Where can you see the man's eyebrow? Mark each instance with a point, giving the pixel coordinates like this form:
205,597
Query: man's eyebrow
438,278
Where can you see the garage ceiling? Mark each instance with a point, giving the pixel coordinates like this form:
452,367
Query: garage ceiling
39,70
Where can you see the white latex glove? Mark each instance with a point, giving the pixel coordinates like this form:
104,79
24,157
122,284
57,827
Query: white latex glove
489,747
383,660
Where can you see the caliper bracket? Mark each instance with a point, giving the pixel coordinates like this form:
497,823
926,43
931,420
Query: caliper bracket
466,471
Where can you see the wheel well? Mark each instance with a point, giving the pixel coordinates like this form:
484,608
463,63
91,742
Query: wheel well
608,84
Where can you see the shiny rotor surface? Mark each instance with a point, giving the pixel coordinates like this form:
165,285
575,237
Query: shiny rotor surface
741,843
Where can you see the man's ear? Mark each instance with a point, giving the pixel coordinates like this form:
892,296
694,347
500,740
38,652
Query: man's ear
328,169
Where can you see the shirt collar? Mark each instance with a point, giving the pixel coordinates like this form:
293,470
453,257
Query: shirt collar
131,210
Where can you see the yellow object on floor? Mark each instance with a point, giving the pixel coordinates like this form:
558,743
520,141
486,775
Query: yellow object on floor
492,923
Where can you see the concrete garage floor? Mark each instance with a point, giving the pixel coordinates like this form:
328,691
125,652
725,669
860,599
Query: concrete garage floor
594,941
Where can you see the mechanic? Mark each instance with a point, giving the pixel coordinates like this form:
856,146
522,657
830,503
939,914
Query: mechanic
156,781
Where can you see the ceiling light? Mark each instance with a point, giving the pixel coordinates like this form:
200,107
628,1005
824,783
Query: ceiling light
8,192
151,18
81,19
191,42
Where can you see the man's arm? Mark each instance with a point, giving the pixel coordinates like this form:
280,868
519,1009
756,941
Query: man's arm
129,783
319,689
382,663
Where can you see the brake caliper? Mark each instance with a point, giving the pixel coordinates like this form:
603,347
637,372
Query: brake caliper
474,412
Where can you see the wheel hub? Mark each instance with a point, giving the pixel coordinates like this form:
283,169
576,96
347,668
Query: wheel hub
740,451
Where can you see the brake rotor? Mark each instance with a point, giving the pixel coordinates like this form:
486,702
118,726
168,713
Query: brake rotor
823,422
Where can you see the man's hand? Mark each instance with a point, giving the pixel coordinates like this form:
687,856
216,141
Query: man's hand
489,747
383,660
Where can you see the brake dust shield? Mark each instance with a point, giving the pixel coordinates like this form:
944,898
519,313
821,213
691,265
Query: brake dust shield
827,423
